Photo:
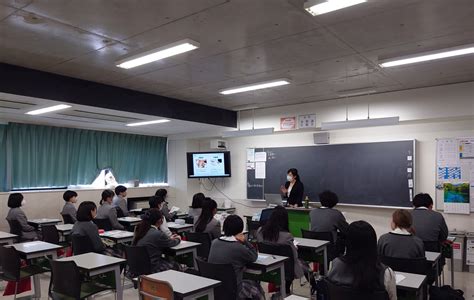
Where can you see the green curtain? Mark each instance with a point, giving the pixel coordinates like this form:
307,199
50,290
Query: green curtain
3,158
45,156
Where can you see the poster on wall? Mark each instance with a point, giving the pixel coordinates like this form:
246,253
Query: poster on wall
457,198
288,123
307,121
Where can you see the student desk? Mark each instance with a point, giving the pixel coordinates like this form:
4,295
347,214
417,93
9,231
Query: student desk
412,282
118,236
266,263
94,264
185,247
36,249
187,286
295,297
229,210
433,258
129,221
180,228
64,229
317,246
37,223
7,238
137,211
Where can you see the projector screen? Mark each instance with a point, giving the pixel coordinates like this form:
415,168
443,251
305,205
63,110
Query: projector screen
208,164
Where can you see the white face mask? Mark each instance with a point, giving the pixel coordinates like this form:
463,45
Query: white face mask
289,177
23,202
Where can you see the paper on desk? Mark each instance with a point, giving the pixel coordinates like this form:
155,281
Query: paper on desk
296,243
262,256
399,278
174,209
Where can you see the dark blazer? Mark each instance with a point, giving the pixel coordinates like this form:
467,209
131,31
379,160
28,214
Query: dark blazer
296,194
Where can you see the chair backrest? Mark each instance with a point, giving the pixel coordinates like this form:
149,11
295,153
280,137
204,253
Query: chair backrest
103,224
81,244
282,250
10,262
138,260
204,239
50,234
15,227
224,273
265,215
66,279
67,219
432,246
153,289
324,236
120,213
408,265
189,220
252,227
338,292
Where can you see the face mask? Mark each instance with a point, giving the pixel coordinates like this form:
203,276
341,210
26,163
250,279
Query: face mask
289,178
23,202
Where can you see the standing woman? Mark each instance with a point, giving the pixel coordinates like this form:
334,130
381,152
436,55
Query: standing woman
293,189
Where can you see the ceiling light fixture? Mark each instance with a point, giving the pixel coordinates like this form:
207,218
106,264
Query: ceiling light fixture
148,122
48,109
427,56
255,86
356,92
318,7
360,123
157,54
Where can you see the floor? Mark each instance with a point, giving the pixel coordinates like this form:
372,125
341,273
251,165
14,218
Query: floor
463,281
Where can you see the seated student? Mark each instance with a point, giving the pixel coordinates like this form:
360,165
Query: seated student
15,202
69,209
206,221
163,193
84,226
276,231
232,248
120,199
107,211
149,235
157,202
326,218
429,225
400,242
360,268
196,207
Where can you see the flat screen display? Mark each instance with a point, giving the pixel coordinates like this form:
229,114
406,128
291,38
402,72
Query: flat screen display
208,164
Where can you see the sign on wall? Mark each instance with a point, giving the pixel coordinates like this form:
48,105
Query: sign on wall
288,123
307,121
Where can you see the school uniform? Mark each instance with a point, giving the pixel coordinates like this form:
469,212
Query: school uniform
194,212
165,210
89,229
121,202
400,243
228,250
285,238
325,219
342,274
156,242
28,232
429,225
69,209
213,228
295,193
107,211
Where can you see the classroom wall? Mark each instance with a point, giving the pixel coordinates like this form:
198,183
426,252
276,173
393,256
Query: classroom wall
425,114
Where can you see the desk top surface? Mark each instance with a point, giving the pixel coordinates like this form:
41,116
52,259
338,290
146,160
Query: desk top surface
6,235
411,281
310,243
185,245
35,247
91,261
64,227
432,256
117,234
129,219
44,221
178,226
267,260
184,283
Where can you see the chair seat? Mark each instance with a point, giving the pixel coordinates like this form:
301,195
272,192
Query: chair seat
25,272
91,288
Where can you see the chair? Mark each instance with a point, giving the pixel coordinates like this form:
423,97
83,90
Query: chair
410,265
153,289
252,227
224,273
12,269
120,213
324,236
103,224
281,250
189,220
338,292
81,244
15,228
67,281
432,246
204,239
67,219
265,215
138,260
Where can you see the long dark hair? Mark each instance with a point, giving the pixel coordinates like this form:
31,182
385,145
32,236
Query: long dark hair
361,254
207,213
278,222
150,217
295,174
197,200
106,194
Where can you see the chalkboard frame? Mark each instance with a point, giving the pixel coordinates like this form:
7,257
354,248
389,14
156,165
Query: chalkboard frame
414,173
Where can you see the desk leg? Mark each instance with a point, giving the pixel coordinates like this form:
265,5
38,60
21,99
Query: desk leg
211,295
452,271
118,283
437,273
326,266
282,281
37,287
194,259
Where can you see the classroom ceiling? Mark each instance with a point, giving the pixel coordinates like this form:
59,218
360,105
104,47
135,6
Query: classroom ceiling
241,41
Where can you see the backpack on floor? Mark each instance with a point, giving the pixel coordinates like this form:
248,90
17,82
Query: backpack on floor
445,293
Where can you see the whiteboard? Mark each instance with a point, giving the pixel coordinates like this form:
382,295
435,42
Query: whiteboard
455,165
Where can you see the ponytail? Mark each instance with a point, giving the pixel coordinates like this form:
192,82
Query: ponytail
151,217
207,213
106,194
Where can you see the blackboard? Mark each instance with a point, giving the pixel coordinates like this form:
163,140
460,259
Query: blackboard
377,174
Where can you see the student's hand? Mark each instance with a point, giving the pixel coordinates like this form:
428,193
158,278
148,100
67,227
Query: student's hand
240,237
283,190
176,237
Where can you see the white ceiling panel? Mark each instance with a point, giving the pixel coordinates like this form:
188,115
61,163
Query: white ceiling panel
16,3
5,11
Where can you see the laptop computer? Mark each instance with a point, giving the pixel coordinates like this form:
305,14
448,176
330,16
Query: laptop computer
273,200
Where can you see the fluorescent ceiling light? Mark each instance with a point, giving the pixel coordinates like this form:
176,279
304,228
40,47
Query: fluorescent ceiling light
148,122
157,54
427,56
255,86
48,109
356,92
360,123
248,132
316,7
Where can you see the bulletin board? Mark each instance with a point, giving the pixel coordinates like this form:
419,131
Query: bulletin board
455,175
